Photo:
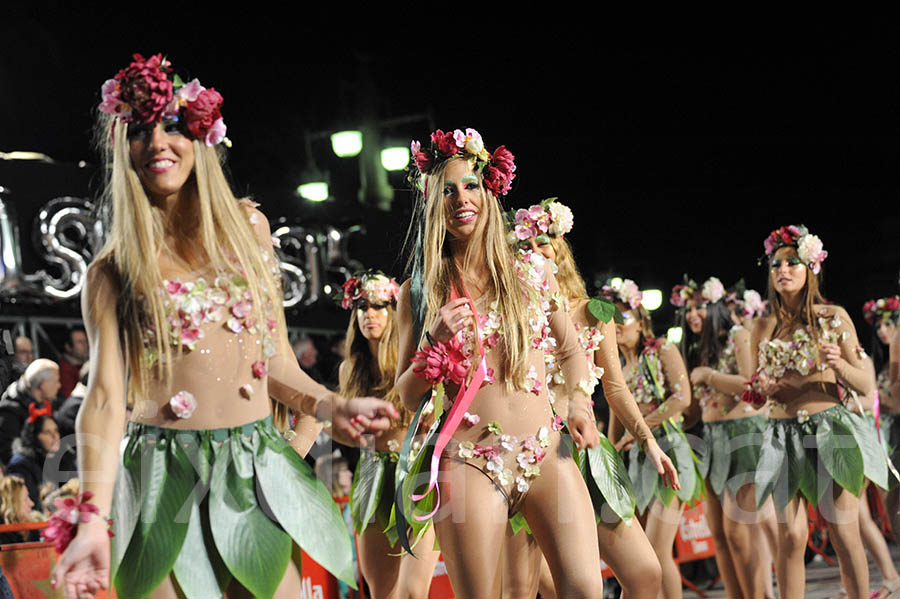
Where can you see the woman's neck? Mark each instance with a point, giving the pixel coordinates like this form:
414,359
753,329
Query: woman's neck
373,351
630,353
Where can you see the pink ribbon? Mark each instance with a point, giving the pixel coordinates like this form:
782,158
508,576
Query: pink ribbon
461,403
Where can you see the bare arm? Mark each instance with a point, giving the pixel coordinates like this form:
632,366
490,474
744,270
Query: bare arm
848,365
410,387
621,402
677,385
734,384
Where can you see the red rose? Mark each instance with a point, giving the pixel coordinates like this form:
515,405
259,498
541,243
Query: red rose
203,112
423,161
445,143
499,175
786,235
893,304
145,86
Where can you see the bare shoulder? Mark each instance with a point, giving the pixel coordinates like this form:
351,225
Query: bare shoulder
101,284
255,217
764,326
830,311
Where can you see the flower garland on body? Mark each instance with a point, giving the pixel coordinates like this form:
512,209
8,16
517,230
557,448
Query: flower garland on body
809,247
497,169
372,286
885,309
143,93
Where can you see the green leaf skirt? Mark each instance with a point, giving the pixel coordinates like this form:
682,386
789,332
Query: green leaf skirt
731,452
831,446
648,483
890,441
372,494
215,505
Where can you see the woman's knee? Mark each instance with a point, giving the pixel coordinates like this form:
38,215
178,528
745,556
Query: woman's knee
792,538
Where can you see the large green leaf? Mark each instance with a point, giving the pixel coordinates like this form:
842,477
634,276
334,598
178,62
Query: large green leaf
255,549
126,505
366,491
683,457
400,529
199,568
840,454
872,453
166,482
720,460
607,470
771,462
303,506
603,310
801,467
745,442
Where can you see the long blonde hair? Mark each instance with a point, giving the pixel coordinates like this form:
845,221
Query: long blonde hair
136,230
504,286
11,488
571,285
360,380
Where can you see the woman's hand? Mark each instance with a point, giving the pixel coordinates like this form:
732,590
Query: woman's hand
83,568
831,355
766,386
701,375
582,428
663,464
625,442
353,417
451,319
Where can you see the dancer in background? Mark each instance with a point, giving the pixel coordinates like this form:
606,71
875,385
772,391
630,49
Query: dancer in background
479,316
657,378
182,308
804,348
369,369
623,544
717,353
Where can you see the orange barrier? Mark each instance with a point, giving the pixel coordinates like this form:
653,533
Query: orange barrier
693,540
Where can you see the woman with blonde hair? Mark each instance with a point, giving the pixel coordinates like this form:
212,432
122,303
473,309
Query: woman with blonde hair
482,321
657,378
623,543
369,369
185,299
814,449
16,507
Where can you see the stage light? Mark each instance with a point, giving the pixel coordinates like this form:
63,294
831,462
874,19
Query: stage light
674,335
394,159
327,289
346,144
316,191
616,282
652,299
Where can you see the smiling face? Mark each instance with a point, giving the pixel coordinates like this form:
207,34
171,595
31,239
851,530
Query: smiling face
162,156
787,272
886,331
463,199
540,244
695,316
371,319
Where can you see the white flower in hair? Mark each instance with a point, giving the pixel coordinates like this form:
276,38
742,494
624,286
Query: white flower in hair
561,218
811,252
713,290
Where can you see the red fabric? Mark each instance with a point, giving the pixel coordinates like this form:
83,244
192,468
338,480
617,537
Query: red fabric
68,377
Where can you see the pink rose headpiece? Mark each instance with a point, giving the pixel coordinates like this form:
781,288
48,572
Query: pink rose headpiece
625,292
886,309
809,247
681,294
497,169
550,217
144,93
710,292
373,286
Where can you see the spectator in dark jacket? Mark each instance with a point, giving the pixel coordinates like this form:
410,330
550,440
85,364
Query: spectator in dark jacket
37,458
39,385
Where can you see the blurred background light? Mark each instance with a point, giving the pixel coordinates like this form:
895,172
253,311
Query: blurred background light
394,159
316,191
346,144
652,299
674,335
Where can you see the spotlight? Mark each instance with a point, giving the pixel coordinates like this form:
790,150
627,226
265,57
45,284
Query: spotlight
616,282
652,299
316,191
394,159
346,144
674,335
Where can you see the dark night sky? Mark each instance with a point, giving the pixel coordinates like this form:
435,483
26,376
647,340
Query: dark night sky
679,140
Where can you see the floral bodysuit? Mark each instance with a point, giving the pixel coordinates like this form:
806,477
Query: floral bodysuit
801,352
224,349
510,452
642,386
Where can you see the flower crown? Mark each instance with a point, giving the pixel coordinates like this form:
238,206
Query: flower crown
549,216
809,247
373,286
711,292
143,93
886,309
497,169
626,292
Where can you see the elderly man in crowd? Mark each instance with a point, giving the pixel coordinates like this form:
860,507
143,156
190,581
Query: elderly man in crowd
32,391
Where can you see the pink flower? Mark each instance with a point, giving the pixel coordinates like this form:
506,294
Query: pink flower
175,288
471,419
216,133
190,336
414,147
499,174
489,377
259,369
489,452
769,245
445,143
201,114
423,161
183,404
189,92
351,293
234,325
241,309
557,424
69,513
443,360
460,138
